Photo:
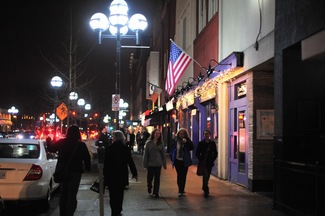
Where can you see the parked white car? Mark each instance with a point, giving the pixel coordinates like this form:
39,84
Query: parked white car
26,171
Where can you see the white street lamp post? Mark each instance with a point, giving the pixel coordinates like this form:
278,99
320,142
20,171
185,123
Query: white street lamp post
56,83
118,24
73,96
81,103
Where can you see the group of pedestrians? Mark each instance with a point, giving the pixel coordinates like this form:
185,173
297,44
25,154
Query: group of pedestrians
118,161
180,155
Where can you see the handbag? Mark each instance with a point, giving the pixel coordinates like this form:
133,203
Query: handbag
96,186
61,168
59,172
201,167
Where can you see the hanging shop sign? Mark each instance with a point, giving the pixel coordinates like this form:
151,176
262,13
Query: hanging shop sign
189,98
208,90
241,90
169,105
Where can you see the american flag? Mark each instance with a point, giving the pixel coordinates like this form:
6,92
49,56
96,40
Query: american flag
178,62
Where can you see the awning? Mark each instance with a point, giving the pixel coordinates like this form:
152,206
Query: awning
158,112
5,122
156,117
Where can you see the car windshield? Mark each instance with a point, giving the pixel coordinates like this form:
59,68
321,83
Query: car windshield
19,150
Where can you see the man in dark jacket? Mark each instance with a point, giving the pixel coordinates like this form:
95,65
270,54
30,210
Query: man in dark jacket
103,137
207,153
117,160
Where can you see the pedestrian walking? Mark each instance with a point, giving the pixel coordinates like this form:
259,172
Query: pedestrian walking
139,139
181,157
117,160
206,153
153,160
74,154
130,139
103,140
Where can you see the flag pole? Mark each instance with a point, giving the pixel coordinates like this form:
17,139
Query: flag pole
187,54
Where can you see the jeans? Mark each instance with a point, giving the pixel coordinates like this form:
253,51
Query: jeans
154,173
205,180
181,175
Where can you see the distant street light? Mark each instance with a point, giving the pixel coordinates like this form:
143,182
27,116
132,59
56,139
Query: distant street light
73,96
87,107
13,111
56,83
81,102
123,109
118,24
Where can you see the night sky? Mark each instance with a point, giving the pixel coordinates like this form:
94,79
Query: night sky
33,31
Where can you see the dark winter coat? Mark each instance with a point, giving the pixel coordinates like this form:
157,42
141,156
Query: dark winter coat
202,151
117,160
81,158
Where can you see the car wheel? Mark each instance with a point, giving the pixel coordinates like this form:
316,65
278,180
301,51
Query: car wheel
46,202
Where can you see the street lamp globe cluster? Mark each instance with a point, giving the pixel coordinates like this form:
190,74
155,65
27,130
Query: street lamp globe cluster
73,96
56,83
118,23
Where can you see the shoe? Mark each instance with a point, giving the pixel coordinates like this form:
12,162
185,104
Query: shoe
126,187
181,194
149,190
156,195
206,192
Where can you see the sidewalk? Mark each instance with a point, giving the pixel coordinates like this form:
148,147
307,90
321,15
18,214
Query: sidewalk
225,198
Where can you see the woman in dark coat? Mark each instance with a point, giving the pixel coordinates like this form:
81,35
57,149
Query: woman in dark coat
74,154
181,157
117,160
206,150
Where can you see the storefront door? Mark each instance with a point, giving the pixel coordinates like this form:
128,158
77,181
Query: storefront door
238,139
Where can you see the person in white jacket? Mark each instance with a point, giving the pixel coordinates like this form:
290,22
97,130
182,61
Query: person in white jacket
153,160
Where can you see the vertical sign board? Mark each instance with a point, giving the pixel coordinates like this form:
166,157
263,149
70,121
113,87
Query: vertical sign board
115,102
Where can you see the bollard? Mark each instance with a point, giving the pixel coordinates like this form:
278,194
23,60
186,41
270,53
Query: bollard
101,158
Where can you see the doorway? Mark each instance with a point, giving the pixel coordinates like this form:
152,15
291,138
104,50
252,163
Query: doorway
238,137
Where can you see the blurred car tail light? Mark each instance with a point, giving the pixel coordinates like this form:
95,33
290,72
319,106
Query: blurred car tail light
34,173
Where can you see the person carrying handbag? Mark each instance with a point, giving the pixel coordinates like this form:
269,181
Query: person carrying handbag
206,150
74,154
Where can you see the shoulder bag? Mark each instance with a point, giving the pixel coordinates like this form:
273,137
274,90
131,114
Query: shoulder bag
201,167
61,168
